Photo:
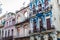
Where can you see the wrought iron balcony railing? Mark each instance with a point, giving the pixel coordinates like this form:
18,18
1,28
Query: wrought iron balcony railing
41,29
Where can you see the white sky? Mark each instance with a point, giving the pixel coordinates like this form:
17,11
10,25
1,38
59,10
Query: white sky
12,5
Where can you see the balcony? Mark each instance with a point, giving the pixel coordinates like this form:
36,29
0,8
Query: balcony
7,38
42,29
49,26
21,34
40,12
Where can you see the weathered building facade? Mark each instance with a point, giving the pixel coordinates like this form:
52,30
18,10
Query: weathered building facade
9,27
22,24
42,27
37,21
2,23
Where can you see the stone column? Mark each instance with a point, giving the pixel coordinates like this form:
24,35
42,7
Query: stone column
31,37
45,37
44,21
54,36
31,25
38,24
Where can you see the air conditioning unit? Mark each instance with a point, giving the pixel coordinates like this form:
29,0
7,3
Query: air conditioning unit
58,1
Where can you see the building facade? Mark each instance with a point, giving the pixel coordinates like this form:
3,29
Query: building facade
42,27
2,23
56,16
22,24
37,21
9,28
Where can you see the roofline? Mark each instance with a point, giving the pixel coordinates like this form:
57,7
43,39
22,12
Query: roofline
22,9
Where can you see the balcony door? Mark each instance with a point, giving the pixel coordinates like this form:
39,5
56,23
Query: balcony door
34,24
48,24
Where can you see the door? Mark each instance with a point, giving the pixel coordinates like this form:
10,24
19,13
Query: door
34,27
48,24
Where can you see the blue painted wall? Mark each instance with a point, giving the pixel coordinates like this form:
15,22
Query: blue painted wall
39,15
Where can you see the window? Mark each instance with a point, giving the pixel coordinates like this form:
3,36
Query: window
46,2
34,10
39,7
58,1
48,24
12,31
41,25
8,32
13,21
46,5
35,26
9,22
0,32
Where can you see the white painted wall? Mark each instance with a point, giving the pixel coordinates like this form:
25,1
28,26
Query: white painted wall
10,28
56,14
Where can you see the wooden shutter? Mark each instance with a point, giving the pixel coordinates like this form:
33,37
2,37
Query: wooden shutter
34,27
48,24
41,25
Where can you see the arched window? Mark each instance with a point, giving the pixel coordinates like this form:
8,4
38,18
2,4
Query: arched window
34,24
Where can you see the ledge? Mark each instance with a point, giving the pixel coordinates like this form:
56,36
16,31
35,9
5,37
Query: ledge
43,32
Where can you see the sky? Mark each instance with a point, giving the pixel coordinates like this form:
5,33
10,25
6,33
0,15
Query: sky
12,5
